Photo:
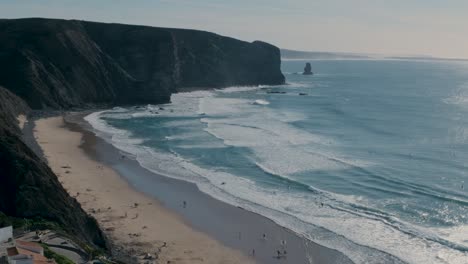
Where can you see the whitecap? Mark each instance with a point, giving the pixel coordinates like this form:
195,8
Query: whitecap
277,148
261,102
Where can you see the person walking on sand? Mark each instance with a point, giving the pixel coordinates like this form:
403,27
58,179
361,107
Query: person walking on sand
184,204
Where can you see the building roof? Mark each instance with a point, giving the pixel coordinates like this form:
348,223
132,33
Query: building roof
13,251
24,249
22,243
35,256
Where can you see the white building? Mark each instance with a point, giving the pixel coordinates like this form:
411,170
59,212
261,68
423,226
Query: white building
6,241
19,251
6,233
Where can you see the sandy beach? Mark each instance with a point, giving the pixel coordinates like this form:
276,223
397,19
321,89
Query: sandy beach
135,223
144,213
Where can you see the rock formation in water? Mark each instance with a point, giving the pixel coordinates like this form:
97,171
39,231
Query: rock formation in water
60,64
308,69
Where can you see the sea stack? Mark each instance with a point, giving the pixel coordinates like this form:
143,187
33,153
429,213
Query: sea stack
308,69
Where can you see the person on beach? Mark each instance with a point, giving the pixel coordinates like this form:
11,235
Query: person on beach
184,204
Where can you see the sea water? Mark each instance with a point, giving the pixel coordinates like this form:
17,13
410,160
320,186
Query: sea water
368,157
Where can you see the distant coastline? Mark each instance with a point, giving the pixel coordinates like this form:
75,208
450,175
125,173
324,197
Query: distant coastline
291,55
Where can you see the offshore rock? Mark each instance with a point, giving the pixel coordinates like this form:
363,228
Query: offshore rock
308,69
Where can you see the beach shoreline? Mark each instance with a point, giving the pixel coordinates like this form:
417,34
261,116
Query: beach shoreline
191,227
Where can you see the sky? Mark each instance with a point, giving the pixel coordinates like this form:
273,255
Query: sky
436,28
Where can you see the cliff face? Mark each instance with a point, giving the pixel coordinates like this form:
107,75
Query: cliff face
28,187
10,107
61,64
55,64
178,58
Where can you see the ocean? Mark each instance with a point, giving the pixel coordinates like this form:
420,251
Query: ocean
368,157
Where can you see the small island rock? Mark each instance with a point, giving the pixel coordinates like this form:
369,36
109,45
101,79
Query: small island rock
308,69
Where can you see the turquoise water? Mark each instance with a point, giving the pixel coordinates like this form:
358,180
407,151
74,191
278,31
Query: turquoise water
367,157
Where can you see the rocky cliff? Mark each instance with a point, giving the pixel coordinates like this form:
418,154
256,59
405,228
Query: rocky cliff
59,64
28,188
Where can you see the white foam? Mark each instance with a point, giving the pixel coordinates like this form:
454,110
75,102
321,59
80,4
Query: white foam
143,114
223,186
261,102
236,89
290,161
460,97
457,234
100,125
221,107
279,148
298,85
112,134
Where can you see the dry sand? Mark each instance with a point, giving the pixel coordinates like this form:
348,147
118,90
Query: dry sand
134,222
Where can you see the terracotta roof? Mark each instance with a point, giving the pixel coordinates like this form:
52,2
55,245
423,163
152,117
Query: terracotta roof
28,244
13,251
36,257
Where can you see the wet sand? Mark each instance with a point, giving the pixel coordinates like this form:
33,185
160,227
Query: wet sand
212,231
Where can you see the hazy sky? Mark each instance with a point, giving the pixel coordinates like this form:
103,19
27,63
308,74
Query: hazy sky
397,27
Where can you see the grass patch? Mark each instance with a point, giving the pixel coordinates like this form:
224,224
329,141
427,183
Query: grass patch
60,259
36,223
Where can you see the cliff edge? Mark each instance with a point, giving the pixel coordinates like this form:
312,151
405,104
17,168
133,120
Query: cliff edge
68,63
28,186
